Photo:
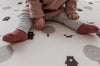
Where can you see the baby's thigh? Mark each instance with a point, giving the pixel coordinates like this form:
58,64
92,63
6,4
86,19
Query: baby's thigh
62,17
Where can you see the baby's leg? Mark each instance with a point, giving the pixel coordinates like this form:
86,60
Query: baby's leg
76,25
20,34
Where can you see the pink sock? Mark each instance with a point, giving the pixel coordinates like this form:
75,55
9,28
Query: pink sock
86,28
15,36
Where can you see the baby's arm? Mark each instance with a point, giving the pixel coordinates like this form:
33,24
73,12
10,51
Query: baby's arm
71,7
35,8
36,12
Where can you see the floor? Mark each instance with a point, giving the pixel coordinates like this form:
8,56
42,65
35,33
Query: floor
50,49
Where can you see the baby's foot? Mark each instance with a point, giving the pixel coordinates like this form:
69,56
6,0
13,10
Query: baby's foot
15,36
86,28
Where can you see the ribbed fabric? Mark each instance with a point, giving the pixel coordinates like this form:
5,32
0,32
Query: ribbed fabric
25,22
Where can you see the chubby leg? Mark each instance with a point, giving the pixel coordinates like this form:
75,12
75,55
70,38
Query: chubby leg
77,25
20,34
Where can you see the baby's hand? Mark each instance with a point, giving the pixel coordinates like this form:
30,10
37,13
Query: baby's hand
73,16
39,23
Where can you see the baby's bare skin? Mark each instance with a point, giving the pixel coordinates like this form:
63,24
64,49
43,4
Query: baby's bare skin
73,16
39,23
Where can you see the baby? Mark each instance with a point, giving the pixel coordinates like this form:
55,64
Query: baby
38,11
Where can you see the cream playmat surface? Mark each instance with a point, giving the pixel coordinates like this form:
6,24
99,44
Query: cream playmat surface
56,45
